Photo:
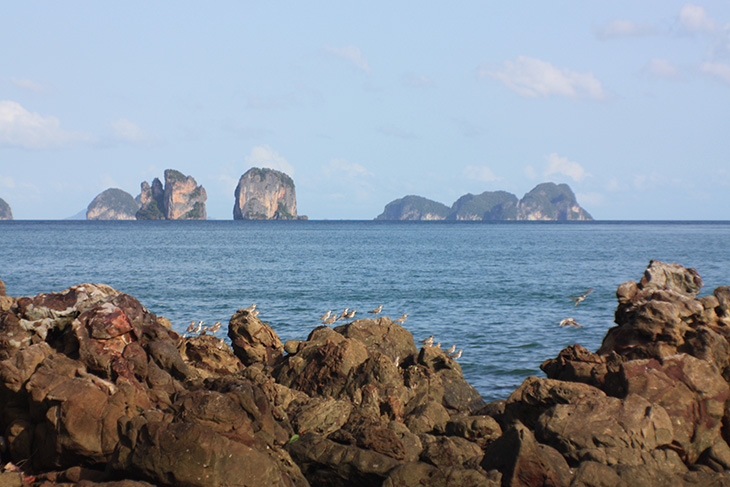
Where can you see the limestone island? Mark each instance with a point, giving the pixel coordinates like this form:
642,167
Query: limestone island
98,391
547,201
265,194
6,213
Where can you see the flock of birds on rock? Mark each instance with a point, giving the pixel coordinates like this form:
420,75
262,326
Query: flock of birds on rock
200,330
578,300
451,351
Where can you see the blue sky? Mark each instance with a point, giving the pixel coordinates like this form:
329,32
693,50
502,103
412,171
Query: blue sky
364,102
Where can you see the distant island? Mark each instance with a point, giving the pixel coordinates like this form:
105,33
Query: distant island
5,212
265,194
547,202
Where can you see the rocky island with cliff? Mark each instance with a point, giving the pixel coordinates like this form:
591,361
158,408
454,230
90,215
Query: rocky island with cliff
99,391
265,194
6,213
546,202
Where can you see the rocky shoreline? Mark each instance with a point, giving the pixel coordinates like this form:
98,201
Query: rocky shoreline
96,390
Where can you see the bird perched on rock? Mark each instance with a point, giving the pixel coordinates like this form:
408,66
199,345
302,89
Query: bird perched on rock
428,342
215,327
457,355
377,310
402,319
191,327
350,315
582,297
326,315
569,322
198,327
255,313
343,314
330,320
451,349
250,308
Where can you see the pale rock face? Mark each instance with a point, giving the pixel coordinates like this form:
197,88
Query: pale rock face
183,198
5,212
112,204
265,194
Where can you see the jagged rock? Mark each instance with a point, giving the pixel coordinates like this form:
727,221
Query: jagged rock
481,430
381,335
254,341
6,213
180,199
550,201
447,451
210,356
488,206
265,194
414,208
321,416
674,277
524,462
113,204
419,474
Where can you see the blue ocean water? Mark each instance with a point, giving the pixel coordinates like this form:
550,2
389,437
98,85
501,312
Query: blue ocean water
496,290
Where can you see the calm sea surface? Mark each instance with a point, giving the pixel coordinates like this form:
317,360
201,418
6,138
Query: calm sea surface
496,290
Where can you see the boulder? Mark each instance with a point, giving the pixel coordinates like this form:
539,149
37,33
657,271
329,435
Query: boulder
419,474
252,340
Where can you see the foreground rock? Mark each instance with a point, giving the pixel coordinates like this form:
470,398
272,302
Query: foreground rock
95,389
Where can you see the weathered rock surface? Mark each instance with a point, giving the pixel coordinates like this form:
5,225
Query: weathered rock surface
547,201
6,213
96,390
265,194
180,199
113,204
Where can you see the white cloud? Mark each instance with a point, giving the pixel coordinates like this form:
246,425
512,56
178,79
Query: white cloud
720,70
532,78
623,28
264,156
351,54
343,168
694,19
561,165
28,130
28,85
418,80
480,173
127,131
661,68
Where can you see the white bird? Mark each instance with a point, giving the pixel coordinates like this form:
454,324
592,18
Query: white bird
457,355
402,319
579,299
451,349
326,315
377,310
569,322
198,327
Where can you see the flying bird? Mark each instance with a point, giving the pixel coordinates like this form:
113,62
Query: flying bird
579,299
569,322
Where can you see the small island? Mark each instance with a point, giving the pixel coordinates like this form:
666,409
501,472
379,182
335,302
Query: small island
5,212
547,202
265,194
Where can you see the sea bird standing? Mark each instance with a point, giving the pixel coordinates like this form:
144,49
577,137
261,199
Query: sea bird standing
402,319
377,310
457,355
326,315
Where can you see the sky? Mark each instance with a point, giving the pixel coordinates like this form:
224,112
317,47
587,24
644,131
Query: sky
361,103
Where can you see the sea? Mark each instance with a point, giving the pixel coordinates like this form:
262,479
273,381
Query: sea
495,290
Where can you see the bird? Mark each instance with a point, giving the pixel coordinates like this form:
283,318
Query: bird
457,355
330,320
326,315
377,310
343,314
255,313
428,342
250,308
569,322
579,299
350,315
198,327
438,345
451,349
191,327
215,327
402,319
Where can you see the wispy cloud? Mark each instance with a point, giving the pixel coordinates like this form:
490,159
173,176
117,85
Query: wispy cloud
29,130
661,68
561,165
397,132
534,78
350,179
480,173
28,85
417,80
346,169
352,54
265,157
125,130
719,70
621,28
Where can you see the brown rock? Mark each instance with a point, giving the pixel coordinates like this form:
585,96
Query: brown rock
419,474
210,356
659,275
481,430
265,194
254,341
323,416
381,335
448,451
